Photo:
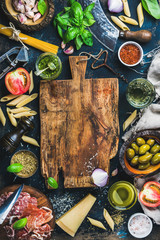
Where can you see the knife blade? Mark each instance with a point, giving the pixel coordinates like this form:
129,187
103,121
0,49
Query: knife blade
106,33
9,203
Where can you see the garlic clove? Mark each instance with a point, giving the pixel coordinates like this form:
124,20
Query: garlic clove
22,18
99,177
114,172
36,17
63,45
30,14
69,50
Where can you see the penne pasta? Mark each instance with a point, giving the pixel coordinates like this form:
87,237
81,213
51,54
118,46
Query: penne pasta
119,23
126,8
30,140
8,98
32,82
18,110
25,114
17,100
27,100
128,20
2,117
11,117
140,14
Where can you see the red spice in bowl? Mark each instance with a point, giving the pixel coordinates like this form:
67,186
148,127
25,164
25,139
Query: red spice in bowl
130,53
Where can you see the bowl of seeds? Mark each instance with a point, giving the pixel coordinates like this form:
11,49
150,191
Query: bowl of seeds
29,162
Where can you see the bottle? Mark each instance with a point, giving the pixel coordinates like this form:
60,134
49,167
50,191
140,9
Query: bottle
10,141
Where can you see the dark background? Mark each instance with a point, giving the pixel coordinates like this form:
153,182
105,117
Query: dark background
63,199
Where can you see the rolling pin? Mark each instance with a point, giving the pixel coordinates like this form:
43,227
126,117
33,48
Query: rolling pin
140,36
33,42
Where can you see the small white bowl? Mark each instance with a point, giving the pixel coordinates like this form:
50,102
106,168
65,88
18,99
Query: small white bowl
141,224
137,45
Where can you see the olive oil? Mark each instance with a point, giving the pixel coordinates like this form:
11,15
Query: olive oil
140,93
122,195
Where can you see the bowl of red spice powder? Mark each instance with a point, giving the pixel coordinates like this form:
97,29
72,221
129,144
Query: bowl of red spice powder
130,54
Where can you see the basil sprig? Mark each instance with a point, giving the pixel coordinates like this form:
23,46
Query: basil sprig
42,7
72,22
152,7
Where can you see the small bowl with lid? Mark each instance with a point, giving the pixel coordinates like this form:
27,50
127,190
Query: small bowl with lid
130,54
29,162
140,225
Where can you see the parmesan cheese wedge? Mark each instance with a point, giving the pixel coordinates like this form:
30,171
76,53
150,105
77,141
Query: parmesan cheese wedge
71,220
96,223
108,218
129,120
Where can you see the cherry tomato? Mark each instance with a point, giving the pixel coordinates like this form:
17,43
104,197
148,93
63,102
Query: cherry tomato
150,194
18,81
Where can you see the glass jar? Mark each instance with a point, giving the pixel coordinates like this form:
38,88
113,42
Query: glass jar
140,93
43,62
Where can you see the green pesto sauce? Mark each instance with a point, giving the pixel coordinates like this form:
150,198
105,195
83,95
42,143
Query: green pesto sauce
43,63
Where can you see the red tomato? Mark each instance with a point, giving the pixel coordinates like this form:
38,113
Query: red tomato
150,194
18,81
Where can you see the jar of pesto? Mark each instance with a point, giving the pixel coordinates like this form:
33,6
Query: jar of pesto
51,64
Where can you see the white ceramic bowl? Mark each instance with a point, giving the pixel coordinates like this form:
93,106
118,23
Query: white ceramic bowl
141,53
144,231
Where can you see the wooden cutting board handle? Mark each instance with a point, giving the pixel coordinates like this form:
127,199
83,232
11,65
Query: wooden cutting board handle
78,67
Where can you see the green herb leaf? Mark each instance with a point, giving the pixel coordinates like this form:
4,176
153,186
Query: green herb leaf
20,223
89,8
66,9
88,15
70,34
152,7
15,168
60,32
42,7
52,183
87,38
88,22
70,2
62,22
76,14
78,42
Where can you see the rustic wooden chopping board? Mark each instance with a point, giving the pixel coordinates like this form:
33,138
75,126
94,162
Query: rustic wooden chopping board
42,200
79,125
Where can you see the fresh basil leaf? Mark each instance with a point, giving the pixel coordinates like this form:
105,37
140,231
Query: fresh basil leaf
70,2
60,32
70,34
88,15
63,23
88,22
87,38
54,23
66,9
78,42
76,14
42,7
152,7
66,15
89,8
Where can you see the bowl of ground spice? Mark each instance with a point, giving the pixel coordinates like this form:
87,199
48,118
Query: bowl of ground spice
29,162
130,54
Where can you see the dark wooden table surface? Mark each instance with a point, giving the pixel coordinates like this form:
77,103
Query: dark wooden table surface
63,199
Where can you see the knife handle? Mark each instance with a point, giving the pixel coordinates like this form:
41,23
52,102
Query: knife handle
140,36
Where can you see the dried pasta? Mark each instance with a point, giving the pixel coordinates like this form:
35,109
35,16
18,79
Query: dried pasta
25,114
128,20
2,117
19,110
8,98
96,223
11,117
32,82
119,23
140,14
17,100
126,8
27,100
30,140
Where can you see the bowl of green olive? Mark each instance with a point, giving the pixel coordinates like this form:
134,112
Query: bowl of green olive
140,155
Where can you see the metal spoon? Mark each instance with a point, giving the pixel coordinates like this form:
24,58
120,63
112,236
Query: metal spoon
51,66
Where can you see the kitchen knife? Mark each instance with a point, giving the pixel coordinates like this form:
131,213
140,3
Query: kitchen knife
9,203
106,33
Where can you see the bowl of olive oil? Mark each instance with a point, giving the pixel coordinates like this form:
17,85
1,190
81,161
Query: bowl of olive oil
122,195
140,93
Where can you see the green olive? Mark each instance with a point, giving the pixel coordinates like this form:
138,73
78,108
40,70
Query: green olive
130,153
145,158
151,142
20,223
140,141
143,166
134,161
135,147
143,149
156,159
155,149
15,168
